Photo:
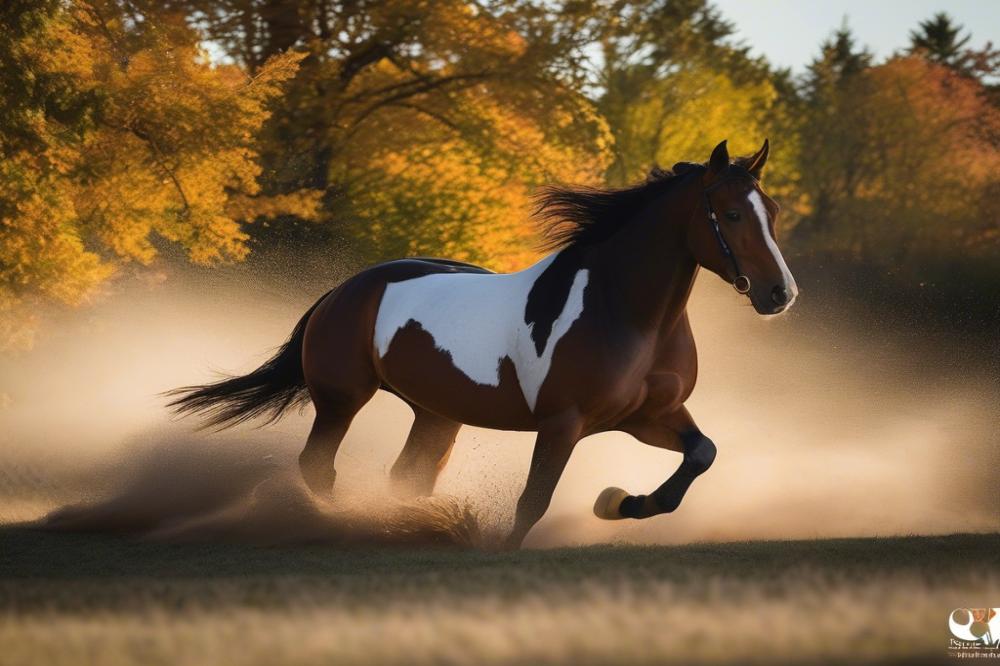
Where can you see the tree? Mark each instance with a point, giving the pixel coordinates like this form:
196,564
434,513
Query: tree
839,62
119,131
834,158
479,101
652,57
674,84
941,40
683,115
915,191
29,87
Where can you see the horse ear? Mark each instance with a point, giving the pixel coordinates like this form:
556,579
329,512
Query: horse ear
755,165
719,161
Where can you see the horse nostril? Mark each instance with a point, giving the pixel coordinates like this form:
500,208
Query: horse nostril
779,295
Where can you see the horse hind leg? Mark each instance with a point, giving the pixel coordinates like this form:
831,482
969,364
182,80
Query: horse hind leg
338,369
424,455
333,418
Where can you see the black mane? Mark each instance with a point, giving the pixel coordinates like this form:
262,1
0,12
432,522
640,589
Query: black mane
581,216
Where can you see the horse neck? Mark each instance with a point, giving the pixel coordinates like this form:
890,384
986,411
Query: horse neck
647,264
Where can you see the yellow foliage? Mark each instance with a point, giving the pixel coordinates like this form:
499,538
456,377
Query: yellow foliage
444,197
168,150
451,170
685,114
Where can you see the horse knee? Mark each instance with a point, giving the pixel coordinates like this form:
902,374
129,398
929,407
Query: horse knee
699,451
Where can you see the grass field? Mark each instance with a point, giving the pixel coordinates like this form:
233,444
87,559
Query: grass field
79,599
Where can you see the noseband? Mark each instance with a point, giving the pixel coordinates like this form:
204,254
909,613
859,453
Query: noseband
741,282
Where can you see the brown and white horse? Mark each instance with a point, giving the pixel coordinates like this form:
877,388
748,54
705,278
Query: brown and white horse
594,337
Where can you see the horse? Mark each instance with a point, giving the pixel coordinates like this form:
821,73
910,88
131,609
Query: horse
592,338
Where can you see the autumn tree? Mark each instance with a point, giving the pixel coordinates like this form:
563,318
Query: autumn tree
426,124
940,40
420,127
117,132
902,172
834,161
673,83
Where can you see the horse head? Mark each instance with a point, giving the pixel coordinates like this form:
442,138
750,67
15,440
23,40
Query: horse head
732,232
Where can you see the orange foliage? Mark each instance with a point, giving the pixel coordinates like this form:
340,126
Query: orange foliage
166,147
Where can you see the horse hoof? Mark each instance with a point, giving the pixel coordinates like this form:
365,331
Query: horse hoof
608,502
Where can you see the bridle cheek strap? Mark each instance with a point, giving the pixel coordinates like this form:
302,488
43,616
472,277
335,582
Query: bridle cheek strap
740,282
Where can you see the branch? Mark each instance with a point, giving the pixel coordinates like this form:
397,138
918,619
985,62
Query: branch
428,82
160,162
430,114
372,108
372,52
102,27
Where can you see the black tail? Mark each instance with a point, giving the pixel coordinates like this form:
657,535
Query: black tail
268,391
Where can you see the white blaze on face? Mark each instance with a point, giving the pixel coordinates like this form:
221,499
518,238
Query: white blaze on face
760,211
478,319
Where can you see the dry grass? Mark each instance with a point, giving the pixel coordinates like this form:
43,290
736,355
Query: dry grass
73,599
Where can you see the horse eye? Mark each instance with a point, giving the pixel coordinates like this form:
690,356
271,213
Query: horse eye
733,215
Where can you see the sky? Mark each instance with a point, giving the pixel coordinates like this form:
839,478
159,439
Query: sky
789,32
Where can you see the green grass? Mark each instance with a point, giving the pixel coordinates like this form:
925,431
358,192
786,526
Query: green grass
74,598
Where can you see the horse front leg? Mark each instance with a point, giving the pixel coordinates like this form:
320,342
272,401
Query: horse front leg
553,447
676,432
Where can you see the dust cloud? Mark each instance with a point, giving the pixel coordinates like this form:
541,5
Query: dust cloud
824,429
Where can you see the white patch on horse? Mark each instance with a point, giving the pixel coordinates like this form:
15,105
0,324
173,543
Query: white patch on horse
786,275
478,319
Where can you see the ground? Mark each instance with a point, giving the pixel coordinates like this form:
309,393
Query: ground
77,599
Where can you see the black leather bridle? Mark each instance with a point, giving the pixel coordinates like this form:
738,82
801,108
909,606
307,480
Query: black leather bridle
740,282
